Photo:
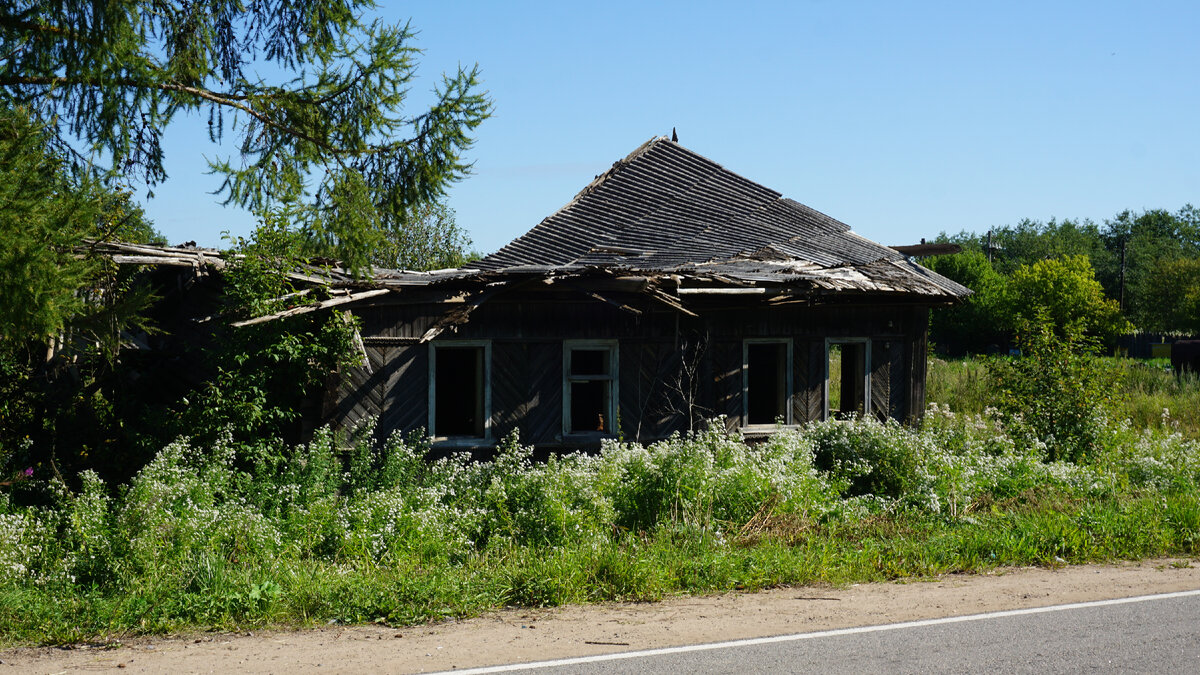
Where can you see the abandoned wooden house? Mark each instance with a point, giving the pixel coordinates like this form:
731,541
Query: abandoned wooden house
669,291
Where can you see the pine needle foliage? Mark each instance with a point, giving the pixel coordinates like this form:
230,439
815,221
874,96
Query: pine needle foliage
51,282
314,92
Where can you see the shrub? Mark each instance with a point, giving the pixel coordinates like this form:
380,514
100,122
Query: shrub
1058,392
225,534
710,479
864,457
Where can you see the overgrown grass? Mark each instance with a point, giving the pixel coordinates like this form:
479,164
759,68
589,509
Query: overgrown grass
225,536
1149,388
961,384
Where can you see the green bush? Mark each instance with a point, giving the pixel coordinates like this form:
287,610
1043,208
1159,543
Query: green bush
867,458
1058,394
709,479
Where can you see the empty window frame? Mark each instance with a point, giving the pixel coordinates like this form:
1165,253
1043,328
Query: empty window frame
589,387
460,390
766,381
847,377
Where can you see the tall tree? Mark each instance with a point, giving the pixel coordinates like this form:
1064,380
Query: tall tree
1032,240
979,323
1063,293
64,311
1152,242
323,136
430,240
1172,290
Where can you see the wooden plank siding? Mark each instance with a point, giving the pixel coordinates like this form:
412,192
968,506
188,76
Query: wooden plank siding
526,331
527,390
725,358
881,378
359,392
642,389
405,399
809,377
916,358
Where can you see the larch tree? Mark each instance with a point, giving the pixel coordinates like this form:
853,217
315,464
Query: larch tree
323,137
48,283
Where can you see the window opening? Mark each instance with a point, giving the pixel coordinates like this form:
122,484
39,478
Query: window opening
459,396
767,382
847,387
590,405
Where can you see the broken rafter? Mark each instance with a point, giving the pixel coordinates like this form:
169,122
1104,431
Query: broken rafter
148,249
573,283
175,261
614,303
136,254
357,338
458,315
670,301
305,309
297,276
725,291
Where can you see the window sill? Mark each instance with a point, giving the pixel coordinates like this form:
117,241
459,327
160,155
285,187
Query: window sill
763,430
461,441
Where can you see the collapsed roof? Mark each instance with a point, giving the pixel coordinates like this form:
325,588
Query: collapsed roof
666,218
667,210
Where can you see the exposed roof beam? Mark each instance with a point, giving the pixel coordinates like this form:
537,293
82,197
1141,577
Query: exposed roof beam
305,309
670,301
727,291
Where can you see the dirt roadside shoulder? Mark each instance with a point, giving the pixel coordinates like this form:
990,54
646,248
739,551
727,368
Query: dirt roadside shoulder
514,636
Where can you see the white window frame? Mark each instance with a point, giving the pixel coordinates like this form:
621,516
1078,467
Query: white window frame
789,393
434,346
613,378
866,342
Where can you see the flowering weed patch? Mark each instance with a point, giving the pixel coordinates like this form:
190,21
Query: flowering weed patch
229,534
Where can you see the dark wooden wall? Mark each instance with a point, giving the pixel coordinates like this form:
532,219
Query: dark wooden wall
526,332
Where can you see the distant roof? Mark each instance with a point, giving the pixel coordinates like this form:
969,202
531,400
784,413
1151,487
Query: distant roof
666,209
922,249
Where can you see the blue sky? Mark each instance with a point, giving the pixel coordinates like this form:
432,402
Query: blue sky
900,119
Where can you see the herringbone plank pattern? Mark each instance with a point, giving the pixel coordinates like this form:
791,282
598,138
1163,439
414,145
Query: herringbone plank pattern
405,389
527,390
359,393
881,378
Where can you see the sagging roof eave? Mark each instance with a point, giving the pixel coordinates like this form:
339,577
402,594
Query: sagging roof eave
686,281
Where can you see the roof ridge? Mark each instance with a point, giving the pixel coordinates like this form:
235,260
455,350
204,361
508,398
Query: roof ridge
664,208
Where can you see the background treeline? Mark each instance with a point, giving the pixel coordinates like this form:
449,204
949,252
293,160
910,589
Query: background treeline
1136,271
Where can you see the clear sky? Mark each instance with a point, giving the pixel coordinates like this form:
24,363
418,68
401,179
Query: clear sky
902,119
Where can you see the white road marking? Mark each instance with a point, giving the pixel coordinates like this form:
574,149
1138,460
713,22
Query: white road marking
819,634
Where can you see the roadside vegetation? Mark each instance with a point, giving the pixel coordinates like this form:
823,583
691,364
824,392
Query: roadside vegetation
214,520
232,534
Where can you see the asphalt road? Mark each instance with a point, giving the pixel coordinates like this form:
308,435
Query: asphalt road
1152,634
